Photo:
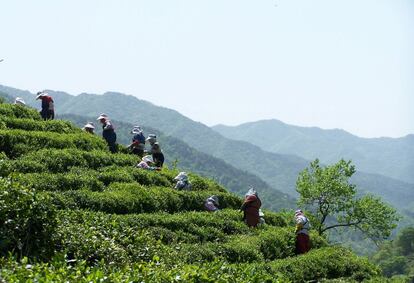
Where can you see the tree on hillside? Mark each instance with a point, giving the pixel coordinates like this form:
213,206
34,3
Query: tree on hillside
332,202
397,257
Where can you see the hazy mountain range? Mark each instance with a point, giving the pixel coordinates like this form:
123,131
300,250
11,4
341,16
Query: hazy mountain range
392,157
277,170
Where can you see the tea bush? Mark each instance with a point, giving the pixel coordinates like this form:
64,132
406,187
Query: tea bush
123,198
93,217
19,111
57,126
60,161
329,262
17,142
61,181
27,221
297,269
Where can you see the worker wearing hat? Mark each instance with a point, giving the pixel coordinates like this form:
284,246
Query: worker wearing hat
138,141
212,203
182,182
108,132
250,208
48,106
89,128
155,151
19,101
302,232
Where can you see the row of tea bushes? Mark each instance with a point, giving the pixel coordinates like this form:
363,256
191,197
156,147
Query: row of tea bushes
56,126
18,111
332,263
62,160
18,142
123,198
95,180
174,238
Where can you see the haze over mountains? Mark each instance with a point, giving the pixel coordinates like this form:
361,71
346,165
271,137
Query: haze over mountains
392,157
278,170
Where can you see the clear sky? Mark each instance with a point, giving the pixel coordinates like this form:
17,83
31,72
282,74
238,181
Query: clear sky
326,63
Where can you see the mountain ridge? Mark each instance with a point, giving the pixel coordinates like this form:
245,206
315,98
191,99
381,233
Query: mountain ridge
391,157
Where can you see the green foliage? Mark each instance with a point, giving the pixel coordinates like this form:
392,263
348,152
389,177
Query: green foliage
57,126
397,257
17,142
74,180
60,161
331,262
19,111
236,180
28,221
118,223
325,191
123,198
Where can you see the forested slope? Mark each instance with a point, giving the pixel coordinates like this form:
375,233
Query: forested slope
73,212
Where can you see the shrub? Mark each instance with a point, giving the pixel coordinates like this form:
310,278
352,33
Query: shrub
133,198
61,160
74,180
17,142
330,262
57,126
241,248
28,221
19,111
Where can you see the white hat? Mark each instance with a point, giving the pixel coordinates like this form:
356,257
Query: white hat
102,116
214,199
148,159
136,130
40,94
182,176
151,137
89,125
298,212
251,192
20,101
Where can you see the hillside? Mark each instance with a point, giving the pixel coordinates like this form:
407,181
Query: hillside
279,171
391,157
190,159
74,212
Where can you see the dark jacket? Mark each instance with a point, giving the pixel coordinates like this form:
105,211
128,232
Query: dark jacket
250,207
108,132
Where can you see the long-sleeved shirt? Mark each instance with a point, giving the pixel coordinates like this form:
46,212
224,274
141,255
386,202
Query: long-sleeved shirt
302,224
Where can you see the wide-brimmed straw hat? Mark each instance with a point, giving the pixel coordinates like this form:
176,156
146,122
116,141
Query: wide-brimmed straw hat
20,101
102,116
89,125
151,137
136,130
182,176
40,94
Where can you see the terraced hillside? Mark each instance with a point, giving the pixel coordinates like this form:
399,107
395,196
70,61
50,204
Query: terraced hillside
70,211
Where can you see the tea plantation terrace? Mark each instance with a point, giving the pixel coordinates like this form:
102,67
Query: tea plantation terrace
73,212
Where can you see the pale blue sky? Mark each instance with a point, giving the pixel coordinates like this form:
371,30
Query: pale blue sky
333,64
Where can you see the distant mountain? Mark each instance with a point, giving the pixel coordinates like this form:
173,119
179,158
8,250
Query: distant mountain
392,157
278,170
